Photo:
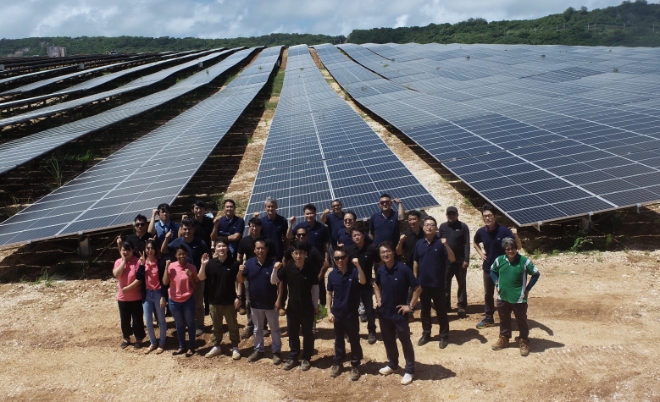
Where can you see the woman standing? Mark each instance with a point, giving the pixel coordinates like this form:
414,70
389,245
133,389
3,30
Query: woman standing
181,277
129,296
155,295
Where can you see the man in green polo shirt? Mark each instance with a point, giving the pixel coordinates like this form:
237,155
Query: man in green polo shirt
509,273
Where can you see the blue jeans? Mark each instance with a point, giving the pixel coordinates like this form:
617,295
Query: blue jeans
184,314
151,304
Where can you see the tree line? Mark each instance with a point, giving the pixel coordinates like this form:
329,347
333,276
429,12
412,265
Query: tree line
628,24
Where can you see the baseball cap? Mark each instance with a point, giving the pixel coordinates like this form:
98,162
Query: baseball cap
452,210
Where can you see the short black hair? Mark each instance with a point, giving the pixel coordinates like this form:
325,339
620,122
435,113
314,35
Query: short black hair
355,229
416,213
128,246
430,218
140,218
199,203
188,223
301,227
387,244
299,246
222,239
229,200
385,195
351,213
182,247
488,207
261,240
164,207
255,221
311,207
341,249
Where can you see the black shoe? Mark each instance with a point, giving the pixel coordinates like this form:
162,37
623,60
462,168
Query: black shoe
363,318
137,345
423,340
443,343
256,355
372,338
247,333
289,364
305,365
461,313
277,358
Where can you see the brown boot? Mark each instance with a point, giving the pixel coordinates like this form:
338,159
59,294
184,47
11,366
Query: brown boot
502,343
524,347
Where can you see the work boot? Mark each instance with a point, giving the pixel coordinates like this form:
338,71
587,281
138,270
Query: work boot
502,343
335,371
524,347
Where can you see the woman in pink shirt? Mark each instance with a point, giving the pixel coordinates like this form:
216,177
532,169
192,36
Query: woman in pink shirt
129,296
155,295
181,277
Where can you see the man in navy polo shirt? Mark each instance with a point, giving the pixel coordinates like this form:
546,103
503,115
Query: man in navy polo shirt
393,279
229,225
344,295
491,236
274,228
261,273
429,258
384,224
367,255
334,220
317,237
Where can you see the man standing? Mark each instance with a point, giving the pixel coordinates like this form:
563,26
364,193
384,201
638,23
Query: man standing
274,228
299,276
367,255
244,252
138,238
162,226
203,230
317,237
343,297
384,224
229,225
196,248
509,272
431,254
491,236
457,234
408,240
334,220
261,273
393,279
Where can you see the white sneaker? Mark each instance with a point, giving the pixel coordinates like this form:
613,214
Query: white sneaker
407,379
214,352
236,355
387,370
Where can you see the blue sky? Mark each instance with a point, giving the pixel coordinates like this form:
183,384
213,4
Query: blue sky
232,18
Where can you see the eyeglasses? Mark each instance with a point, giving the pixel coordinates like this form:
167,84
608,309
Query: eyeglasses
429,225
385,202
140,224
341,257
301,234
488,216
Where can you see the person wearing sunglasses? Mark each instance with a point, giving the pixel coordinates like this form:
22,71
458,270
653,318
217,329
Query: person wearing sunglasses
344,236
335,220
344,296
139,237
300,277
384,224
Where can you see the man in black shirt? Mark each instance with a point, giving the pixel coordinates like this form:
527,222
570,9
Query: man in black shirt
299,276
196,248
313,257
139,238
221,274
457,234
244,252
203,228
367,255
406,247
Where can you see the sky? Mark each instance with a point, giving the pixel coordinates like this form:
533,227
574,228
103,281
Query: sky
234,18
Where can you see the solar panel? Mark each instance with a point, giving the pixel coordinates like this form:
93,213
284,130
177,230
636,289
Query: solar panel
319,149
138,83
152,170
532,134
17,152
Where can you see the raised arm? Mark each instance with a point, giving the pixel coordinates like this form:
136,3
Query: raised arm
166,274
450,253
202,269
116,272
324,216
274,280
216,225
166,242
289,230
399,245
515,236
152,223
361,276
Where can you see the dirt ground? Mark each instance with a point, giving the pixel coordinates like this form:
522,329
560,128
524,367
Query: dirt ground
594,318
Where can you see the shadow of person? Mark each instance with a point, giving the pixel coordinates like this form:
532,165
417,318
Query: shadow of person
464,336
423,371
541,345
536,324
327,361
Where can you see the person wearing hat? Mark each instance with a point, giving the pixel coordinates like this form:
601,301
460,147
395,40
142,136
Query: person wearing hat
457,234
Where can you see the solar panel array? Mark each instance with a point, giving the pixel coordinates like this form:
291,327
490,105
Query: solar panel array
7,80
149,171
319,149
543,132
17,152
138,83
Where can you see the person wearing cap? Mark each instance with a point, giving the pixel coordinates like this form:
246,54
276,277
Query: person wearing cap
457,234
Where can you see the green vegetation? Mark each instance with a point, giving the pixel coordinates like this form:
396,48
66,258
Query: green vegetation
628,24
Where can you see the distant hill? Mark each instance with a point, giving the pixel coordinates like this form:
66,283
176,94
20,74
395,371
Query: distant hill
628,24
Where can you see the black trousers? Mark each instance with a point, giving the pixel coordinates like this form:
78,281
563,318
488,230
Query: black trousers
347,326
504,309
455,269
295,320
437,295
390,330
489,294
131,310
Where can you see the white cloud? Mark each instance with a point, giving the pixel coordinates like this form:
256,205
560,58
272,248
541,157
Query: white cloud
232,18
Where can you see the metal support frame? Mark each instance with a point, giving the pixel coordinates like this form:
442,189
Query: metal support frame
84,248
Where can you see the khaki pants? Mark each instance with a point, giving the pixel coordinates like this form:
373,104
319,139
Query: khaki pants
198,294
229,314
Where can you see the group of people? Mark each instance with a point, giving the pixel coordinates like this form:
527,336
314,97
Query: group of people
279,268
